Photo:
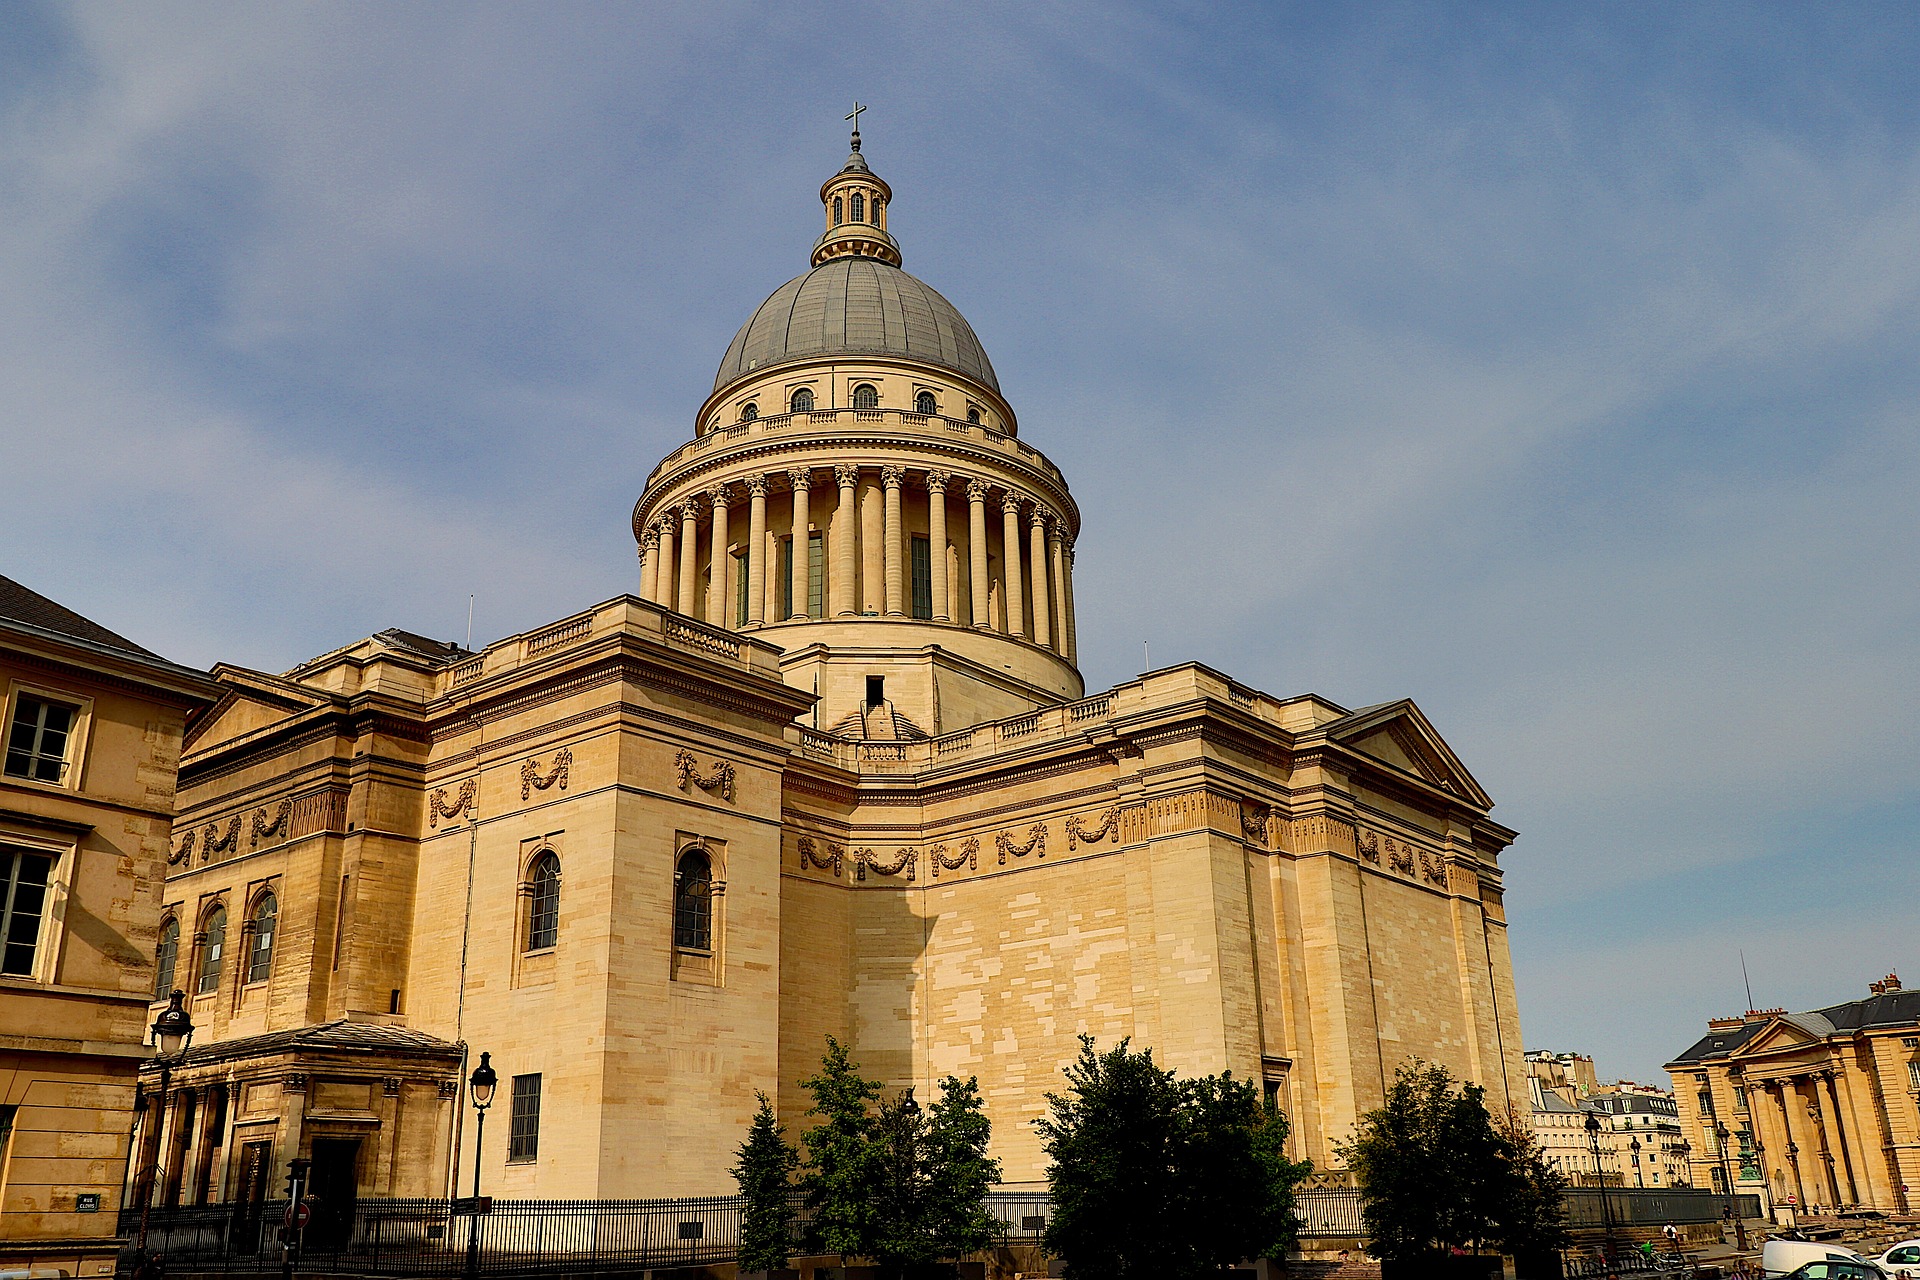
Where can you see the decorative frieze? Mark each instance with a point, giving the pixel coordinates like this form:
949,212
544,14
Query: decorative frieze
211,841
906,860
531,781
279,826
1078,835
718,782
966,854
811,856
439,806
1036,843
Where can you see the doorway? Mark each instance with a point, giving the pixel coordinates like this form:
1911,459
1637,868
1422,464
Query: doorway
335,1182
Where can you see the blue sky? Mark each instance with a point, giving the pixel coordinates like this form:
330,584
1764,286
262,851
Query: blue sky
1551,365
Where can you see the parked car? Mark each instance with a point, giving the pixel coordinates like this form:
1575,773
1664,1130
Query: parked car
1902,1260
1864,1269
1780,1258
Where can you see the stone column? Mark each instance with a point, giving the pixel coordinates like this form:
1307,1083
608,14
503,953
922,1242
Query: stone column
663,568
1783,1098
892,479
937,541
689,565
801,478
649,561
873,574
1066,590
717,548
1037,562
1875,1188
1837,1128
756,549
841,577
1058,555
977,586
1010,567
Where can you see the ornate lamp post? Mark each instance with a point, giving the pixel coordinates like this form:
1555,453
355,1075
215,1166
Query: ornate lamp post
1606,1204
480,1087
172,1033
1726,1172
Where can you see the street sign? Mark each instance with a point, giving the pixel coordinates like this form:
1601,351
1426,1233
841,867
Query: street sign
1793,1199
298,1215
472,1206
89,1202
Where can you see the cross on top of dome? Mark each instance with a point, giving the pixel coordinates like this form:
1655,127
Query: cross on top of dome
855,201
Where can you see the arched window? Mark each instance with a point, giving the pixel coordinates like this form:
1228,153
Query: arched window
543,902
923,403
837,218
749,411
802,401
266,915
693,902
865,397
876,211
859,207
166,954
973,414
212,951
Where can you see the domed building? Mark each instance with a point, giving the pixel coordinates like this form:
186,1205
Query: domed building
831,770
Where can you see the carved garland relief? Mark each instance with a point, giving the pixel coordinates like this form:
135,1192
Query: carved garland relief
719,782
967,855
1078,835
1036,843
531,781
1406,858
438,806
280,826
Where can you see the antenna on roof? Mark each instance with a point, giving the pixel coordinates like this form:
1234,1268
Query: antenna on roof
1744,978
469,622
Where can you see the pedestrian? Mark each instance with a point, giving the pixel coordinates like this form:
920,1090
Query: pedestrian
1673,1237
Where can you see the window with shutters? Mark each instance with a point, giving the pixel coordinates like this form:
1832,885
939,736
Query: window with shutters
922,577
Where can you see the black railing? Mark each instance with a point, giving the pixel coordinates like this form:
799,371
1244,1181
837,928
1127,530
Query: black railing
1651,1207
514,1238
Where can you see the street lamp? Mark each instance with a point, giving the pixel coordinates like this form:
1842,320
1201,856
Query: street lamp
1633,1144
480,1089
172,1033
1606,1205
1726,1172
1686,1159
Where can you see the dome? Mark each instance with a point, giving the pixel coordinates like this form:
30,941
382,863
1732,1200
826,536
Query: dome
855,306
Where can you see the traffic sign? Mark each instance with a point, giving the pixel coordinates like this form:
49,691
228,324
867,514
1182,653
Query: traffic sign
472,1206
298,1215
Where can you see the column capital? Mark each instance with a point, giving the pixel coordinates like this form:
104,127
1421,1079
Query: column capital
1041,517
1010,502
717,495
977,490
690,509
846,475
937,481
893,477
800,477
756,486
1058,533
650,537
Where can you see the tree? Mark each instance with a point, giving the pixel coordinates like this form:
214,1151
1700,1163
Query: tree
960,1172
1154,1176
764,1173
1436,1173
1534,1220
839,1175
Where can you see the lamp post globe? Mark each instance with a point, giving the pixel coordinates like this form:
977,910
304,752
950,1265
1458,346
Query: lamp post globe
480,1087
482,1082
172,1033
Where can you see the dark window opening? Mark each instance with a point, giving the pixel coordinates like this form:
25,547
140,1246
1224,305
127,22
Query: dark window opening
213,951
876,690
802,401
693,902
749,411
922,578
37,741
23,900
543,903
166,955
865,397
523,1128
260,955
924,403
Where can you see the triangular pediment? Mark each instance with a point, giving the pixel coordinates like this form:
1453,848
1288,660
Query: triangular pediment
1778,1036
250,701
1398,734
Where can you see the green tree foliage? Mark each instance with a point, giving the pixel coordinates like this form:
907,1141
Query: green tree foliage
840,1170
1534,1219
1155,1176
764,1172
1437,1173
898,1183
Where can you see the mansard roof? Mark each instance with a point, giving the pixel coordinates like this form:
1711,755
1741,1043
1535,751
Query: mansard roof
1881,1011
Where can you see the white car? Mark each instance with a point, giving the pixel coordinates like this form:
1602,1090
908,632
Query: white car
1902,1260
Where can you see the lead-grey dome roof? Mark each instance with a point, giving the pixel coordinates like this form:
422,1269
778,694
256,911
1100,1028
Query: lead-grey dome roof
856,306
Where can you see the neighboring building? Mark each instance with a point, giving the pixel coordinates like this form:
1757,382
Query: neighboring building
93,725
1821,1108
1638,1142
832,772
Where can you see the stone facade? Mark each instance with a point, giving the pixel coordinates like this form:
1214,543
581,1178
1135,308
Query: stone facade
1821,1108
93,729
651,855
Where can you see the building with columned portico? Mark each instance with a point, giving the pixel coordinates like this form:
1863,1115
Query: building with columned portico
831,770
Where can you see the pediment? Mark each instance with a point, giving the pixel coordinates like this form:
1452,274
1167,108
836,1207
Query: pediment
249,702
1778,1036
1398,734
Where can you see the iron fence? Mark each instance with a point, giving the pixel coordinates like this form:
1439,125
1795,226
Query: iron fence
1651,1207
